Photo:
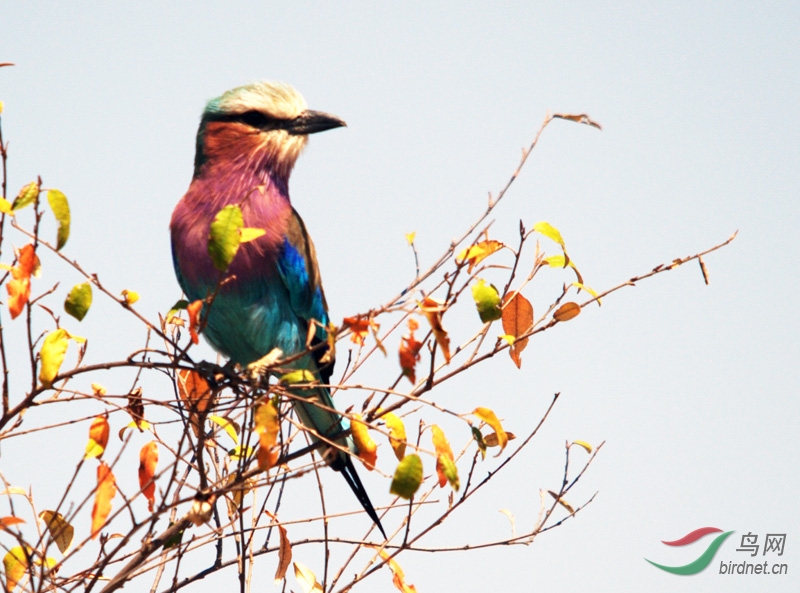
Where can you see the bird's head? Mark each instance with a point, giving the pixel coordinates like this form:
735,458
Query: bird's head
265,124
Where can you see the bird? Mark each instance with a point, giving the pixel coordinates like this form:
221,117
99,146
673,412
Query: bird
248,141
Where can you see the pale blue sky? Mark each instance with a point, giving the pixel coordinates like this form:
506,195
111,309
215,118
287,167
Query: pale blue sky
693,388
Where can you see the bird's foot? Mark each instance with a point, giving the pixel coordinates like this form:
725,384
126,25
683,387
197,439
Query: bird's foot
262,367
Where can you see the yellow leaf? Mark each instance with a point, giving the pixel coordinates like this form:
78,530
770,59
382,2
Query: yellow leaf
409,236
15,563
60,529
407,477
556,261
306,579
229,427
284,551
250,234
549,231
562,502
567,311
267,426
367,449
98,389
98,437
60,207
583,444
130,296
148,460
397,434
475,254
398,576
54,349
299,376
488,416
590,290
445,461
26,196
5,206
433,311
140,425
106,491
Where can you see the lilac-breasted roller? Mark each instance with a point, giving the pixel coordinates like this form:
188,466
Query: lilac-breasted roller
247,144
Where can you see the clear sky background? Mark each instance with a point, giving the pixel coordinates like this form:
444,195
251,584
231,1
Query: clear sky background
694,388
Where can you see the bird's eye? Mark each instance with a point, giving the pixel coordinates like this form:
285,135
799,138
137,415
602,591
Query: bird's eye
255,119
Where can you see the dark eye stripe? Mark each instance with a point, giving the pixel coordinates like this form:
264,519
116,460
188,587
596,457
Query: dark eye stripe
254,119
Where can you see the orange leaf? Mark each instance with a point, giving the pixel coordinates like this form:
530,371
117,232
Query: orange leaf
567,311
193,309
284,551
27,262
193,389
398,576
359,325
478,252
19,288
6,522
106,491
409,353
517,321
489,417
18,293
98,437
367,448
148,460
580,118
433,311
442,449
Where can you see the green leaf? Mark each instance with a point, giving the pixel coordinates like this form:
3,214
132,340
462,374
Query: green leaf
79,300
294,377
26,196
225,236
407,476
476,434
449,470
174,539
549,231
60,207
487,300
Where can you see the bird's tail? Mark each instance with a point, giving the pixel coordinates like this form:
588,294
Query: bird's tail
325,421
348,470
